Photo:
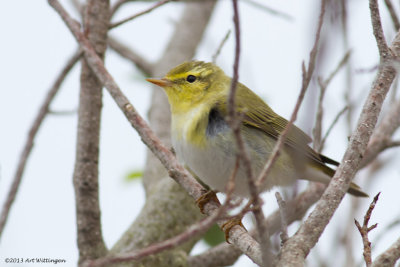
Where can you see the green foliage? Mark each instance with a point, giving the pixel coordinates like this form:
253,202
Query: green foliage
214,236
134,175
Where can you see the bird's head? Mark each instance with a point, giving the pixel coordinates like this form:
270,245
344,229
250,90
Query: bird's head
193,83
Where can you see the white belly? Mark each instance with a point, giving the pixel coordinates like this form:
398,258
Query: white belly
215,166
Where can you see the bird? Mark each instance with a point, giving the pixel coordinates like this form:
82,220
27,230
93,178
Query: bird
203,141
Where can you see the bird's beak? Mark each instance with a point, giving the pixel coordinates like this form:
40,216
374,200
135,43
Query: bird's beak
160,82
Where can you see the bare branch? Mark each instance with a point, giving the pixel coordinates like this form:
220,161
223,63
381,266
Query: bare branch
297,247
306,74
195,229
63,112
85,177
126,52
317,131
383,133
283,212
234,120
216,54
392,144
269,10
395,223
335,120
43,111
225,254
377,29
158,4
117,5
365,229
221,255
389,257
238,235
393,15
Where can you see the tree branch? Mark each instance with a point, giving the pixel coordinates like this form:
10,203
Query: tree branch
234,120
218,51
335,120
225,254
365,229
389,257
156,5
297,248
307,74
383,134
43,111
318,142
283,214
393,15
163,195
195,229
377,29
117,5
88,219
125,52
238,235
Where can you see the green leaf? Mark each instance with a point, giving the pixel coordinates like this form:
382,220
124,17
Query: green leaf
214,236
133,175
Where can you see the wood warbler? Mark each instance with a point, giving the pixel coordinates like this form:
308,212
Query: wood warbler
198,94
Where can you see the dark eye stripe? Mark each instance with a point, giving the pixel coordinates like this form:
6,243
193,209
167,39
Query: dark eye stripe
190,78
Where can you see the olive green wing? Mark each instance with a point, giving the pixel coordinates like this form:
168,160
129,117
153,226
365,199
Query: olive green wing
259,115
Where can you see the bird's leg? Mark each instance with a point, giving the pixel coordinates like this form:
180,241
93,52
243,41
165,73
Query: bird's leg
210,195
226,227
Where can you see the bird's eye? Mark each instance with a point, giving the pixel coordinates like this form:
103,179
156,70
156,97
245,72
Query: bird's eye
190,78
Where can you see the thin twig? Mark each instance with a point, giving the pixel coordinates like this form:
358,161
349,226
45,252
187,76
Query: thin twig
283,213
335,120
392,144
117,5
232,95
393,94
389,257
384,232
365,229
230,185
349,68
306,74
216,54
224,254
269,10
234,121
148,10
341,64
383,133
78,6
193,230
317,131
393,15
126,52
298,246
377,29
43,111
63,112
237,234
